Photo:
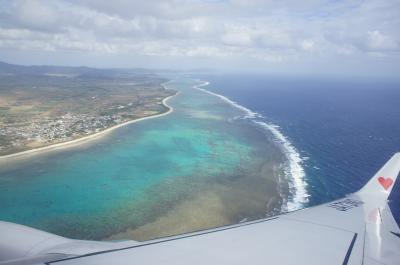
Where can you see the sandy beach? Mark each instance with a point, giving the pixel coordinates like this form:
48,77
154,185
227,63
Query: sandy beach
209,172
88,138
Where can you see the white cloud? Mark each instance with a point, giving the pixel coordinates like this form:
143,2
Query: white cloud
264,32
379,41
237,36
307,45
346,50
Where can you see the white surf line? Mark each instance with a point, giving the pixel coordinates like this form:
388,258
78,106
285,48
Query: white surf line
249,114
294,170
297,185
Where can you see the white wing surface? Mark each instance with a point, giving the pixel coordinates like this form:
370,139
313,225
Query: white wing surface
358,229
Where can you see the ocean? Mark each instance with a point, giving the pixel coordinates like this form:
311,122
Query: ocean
201,166
235,148
343,130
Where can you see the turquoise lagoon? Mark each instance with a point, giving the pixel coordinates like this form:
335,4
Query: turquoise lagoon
144,171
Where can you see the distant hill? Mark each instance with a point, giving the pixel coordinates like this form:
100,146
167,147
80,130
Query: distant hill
44,105
82,71
7,68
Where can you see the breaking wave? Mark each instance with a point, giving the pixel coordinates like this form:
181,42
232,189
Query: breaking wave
293,169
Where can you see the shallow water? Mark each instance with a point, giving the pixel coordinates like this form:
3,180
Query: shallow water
145,171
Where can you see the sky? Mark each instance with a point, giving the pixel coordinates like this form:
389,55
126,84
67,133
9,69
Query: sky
287,37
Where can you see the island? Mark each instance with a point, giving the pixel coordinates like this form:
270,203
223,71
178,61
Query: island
47,105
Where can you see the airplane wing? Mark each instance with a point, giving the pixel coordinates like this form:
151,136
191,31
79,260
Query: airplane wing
358,229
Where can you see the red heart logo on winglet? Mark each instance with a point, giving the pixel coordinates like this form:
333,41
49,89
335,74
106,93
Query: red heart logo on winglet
385,182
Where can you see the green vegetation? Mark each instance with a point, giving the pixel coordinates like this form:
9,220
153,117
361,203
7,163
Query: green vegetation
44,105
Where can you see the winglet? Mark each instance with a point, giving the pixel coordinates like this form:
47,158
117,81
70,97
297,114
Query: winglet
382,183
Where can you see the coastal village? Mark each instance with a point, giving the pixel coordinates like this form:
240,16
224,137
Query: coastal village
48,109
50,130
41,132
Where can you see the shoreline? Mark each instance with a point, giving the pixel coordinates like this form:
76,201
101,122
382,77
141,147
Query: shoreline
294,172
195,200
90,137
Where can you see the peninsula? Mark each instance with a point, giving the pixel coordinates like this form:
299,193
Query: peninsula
46,106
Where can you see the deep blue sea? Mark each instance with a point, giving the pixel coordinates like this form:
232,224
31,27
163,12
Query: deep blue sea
344,129
215,164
